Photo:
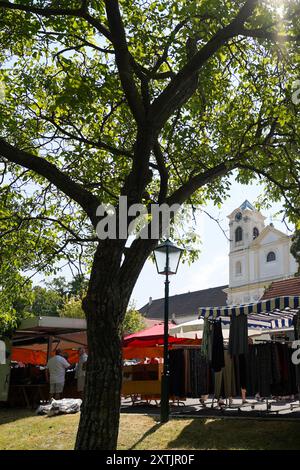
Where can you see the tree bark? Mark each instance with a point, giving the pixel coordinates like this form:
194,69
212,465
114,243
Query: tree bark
99,421
105,306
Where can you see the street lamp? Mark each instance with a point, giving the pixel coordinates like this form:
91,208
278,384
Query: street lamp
167,257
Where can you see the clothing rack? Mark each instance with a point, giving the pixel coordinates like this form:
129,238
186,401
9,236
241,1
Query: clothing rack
269,315
273,341
267,401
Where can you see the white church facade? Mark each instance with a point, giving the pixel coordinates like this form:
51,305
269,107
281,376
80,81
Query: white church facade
259,255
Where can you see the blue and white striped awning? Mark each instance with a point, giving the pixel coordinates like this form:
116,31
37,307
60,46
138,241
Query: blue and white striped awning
273,313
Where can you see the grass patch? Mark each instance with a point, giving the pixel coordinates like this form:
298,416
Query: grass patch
22,430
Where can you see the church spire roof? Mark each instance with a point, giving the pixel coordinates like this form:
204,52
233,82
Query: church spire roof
247,205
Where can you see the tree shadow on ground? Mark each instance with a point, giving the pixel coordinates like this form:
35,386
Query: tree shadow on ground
148,433
221,434
8,415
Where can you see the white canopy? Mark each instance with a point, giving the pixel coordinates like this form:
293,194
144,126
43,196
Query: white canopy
193,330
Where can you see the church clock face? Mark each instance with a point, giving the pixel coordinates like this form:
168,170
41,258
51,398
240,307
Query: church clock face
238,216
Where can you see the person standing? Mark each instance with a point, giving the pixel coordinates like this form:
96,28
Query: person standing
56,368
81,370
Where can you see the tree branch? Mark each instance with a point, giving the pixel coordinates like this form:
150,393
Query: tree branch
88,201
28,218
97,144
75,36
163,172
176,93
48,11
217,222
272,36
124,60
197,181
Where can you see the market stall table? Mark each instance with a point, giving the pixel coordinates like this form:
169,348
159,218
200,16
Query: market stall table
29,394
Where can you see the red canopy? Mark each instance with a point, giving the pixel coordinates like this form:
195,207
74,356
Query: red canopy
150,337
154,332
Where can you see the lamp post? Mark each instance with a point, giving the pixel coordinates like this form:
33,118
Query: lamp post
167,257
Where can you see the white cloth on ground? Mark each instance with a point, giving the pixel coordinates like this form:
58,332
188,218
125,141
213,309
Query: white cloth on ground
64,406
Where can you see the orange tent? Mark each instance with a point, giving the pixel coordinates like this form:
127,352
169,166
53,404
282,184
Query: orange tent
31,356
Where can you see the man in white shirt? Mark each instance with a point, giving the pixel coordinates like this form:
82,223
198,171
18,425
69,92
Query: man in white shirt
80,370
56,367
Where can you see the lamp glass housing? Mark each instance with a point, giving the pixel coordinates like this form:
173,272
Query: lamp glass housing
162,253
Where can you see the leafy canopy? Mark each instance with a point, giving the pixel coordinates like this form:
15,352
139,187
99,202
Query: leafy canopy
211,79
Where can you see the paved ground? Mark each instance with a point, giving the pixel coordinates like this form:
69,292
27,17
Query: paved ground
284,409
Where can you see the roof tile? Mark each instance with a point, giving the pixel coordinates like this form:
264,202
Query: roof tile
283,288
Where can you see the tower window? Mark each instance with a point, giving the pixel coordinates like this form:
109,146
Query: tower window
271,256
238,268
239,234
255,232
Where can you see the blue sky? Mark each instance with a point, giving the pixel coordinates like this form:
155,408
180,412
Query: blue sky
212,267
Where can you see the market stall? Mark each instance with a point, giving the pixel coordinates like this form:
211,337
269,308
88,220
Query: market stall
142,379
22,377
244,349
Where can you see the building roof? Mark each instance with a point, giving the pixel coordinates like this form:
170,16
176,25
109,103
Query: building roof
265,231
283,288
247,205
185,306
149,322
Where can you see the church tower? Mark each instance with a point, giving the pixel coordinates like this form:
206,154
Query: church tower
258,255
245,224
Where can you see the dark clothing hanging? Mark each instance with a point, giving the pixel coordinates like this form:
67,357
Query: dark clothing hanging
199,373
287,383
238,335
241,372
260,370
242,362
206,339
276,373
177,373
267,369
252,385
296,323
271,371
264,369
217,360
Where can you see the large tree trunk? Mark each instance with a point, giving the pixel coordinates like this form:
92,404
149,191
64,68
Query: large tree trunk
105,306
100,411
